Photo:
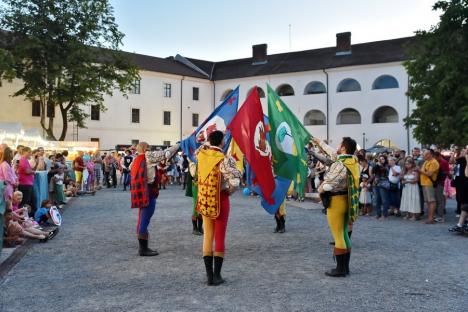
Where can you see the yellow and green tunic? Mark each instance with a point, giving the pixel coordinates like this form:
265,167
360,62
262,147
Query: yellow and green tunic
341,178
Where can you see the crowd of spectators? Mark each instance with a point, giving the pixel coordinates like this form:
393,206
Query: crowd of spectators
414,187
33,181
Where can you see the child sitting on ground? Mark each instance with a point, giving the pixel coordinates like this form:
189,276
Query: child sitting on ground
11,238
22,212
365,202
71,189
42,215
15,230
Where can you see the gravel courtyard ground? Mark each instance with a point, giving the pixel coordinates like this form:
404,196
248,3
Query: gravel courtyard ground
92,265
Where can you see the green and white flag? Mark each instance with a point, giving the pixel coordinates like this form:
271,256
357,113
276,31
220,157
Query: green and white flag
288,139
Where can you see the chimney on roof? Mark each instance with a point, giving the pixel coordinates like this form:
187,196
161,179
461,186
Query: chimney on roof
259,54
343,43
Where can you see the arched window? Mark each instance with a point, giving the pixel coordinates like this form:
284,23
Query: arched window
315,87
348,116
225,94
285,90
314,118
385,114
261,93
348,84
385,82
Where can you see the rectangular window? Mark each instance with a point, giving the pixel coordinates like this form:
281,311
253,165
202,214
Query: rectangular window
94,140
36,108
196,93
194,120
50,110
135,115
167,143
95,112
167,118
167,90
135,142
136,87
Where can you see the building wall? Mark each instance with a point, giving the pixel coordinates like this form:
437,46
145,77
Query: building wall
365,101
115,126
17,109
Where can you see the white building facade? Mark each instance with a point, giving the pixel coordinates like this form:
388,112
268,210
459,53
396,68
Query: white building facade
378,113
348,90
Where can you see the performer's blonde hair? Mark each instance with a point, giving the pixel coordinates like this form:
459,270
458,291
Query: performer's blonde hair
141,147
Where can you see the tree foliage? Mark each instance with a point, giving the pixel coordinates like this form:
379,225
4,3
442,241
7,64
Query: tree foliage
66,52
438,70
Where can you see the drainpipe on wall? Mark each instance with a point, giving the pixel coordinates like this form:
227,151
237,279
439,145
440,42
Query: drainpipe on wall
214,95
181,107
328,120
214,85
407,115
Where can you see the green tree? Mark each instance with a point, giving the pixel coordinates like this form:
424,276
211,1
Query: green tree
66,52
438,70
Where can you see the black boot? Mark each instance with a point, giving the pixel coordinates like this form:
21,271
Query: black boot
278,224
282,225
347,258
339,271
209,269
144,251
218,264
195,228
200,225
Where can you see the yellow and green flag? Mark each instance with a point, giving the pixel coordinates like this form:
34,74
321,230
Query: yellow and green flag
237,154
288,139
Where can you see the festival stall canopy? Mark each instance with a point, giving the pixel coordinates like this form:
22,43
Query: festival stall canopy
13,134
73,146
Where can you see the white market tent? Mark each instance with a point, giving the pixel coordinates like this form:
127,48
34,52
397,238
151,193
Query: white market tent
13,134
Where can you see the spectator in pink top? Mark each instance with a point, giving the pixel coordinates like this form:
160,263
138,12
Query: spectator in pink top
26,179
444,172
7,174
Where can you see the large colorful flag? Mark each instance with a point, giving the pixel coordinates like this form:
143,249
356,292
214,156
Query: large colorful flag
235,152
281,184
219,119
288,139
248,130
279,194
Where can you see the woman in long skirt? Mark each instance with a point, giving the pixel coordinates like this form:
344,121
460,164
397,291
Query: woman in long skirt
410,201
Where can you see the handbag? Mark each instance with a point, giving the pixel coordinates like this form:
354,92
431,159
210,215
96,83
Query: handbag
384,183
326,199
393,186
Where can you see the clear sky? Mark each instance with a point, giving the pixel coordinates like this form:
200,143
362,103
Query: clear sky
218,30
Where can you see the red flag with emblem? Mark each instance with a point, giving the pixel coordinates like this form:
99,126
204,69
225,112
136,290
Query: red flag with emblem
249,132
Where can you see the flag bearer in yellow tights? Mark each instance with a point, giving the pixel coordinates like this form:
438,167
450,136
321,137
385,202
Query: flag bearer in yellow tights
340,186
